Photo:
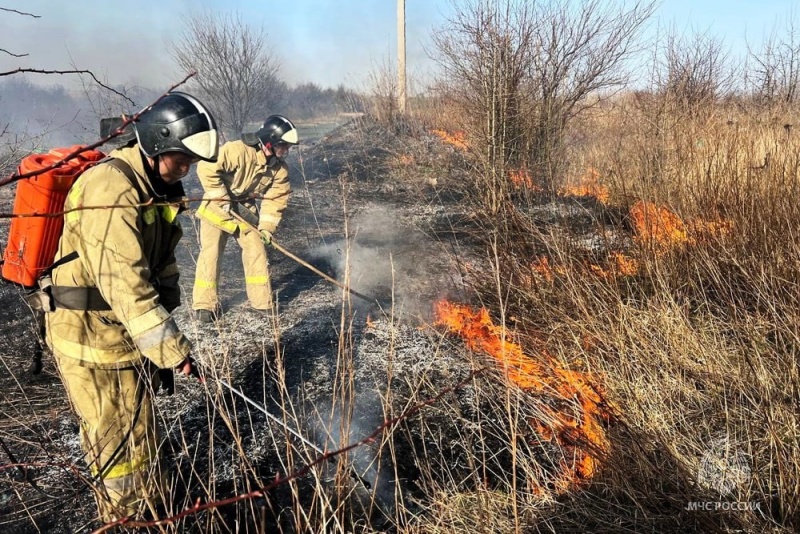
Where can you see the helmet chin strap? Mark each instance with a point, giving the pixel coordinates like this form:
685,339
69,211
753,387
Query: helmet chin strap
272,157
152,170
155,169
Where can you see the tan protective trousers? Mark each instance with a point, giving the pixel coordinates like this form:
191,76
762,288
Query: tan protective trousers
118,434
254,261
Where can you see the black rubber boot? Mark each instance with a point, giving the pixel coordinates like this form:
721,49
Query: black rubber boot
205,316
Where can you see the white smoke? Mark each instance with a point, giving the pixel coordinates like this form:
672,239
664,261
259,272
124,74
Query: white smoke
387,259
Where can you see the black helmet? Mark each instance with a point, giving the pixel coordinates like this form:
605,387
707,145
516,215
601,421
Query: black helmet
277,129
178,123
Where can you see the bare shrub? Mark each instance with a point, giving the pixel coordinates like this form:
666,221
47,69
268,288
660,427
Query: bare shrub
485,54
693,70
521,72
775,75
580,53
383,89
237,73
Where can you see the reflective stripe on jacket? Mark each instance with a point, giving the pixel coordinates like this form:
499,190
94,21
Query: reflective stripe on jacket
128,253
239,174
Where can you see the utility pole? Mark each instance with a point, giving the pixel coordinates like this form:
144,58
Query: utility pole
401,55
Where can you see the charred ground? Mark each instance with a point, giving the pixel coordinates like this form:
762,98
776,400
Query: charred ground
355,202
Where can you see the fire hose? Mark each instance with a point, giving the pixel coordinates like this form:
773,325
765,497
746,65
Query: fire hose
277,246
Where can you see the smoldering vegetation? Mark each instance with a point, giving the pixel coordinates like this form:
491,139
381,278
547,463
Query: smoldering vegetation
586,315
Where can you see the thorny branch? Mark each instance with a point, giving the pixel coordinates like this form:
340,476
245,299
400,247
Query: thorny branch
388,424
85,148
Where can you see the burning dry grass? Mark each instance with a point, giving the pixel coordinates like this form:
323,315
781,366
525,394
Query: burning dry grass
617,265
693,321
522,179
579,429
457,139
588,186
660,228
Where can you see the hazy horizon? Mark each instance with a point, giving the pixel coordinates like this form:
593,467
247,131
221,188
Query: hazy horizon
322,42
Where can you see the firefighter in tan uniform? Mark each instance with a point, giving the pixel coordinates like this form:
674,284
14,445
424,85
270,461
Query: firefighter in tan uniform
246,171
114,286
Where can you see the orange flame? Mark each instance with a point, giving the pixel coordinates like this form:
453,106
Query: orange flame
370,322
521,179
657,225
661,227
543,268
625,265
618,265
577,433
588,186
457,139
706,229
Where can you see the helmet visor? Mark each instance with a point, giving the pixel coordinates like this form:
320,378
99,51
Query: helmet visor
204,145
290,137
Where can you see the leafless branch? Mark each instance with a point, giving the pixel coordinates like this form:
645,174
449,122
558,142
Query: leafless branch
90,73
12,53
85,148
9,10
113,206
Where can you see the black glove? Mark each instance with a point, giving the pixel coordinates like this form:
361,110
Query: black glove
167,378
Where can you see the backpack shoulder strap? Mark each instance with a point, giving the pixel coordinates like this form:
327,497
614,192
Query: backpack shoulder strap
125,169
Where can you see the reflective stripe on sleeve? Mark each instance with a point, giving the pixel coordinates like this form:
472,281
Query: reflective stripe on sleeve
155,336
73,198
148,320
149,215
256,280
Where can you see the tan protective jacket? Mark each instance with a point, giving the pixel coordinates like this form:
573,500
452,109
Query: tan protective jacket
125,252
239,176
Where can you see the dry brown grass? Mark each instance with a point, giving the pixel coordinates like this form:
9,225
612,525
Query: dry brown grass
697,338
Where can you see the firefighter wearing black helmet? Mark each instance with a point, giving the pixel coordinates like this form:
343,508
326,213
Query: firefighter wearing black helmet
112,334
251,179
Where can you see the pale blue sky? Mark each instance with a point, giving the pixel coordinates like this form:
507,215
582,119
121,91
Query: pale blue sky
323,41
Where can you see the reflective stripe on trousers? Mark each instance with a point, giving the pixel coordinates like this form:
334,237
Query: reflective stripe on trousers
118,432
209,261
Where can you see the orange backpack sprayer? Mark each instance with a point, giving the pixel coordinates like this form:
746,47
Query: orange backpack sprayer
37,225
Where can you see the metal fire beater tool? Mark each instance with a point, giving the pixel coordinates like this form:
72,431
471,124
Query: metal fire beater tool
302,262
